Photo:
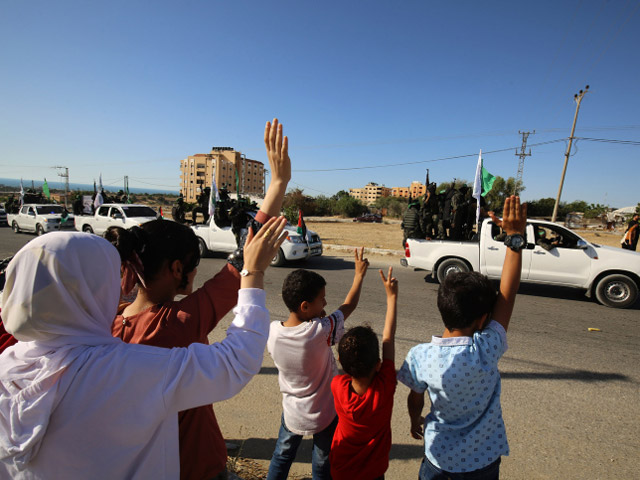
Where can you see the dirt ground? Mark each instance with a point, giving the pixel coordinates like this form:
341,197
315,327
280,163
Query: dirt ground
389,235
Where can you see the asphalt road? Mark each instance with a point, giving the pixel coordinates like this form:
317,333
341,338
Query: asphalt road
570,397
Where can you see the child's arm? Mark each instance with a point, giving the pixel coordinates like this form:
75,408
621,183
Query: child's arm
278,153
353,297
514,220
415,403
389,333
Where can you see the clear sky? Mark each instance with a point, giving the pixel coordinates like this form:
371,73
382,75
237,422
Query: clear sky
132,87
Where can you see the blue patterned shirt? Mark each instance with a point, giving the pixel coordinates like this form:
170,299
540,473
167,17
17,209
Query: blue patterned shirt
464,430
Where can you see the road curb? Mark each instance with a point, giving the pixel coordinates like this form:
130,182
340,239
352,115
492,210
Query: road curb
350,248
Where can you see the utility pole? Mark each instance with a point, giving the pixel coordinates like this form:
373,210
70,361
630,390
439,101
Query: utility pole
578,98
522,155
65,175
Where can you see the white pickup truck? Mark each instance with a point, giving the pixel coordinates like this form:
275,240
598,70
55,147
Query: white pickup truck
115,214
213,238
40,218
554,255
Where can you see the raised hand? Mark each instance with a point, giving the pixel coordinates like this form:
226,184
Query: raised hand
277,151
260,248
361,263
514,215
390,283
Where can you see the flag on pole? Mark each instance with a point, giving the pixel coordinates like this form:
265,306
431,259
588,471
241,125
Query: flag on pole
214,196
21,194
45,189
98,200
302,227
237,184
482,184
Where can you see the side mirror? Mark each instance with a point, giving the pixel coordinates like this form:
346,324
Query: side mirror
582,245
531,246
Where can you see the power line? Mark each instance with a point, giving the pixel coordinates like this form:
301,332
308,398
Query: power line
455,157
612,39
609,140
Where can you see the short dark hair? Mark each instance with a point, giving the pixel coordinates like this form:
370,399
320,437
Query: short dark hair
463,297
301,286
157,242
359,351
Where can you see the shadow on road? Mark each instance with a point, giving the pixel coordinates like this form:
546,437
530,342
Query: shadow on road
262,449
580,375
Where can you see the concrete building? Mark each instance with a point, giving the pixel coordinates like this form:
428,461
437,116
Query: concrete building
369,193
416,189
196,172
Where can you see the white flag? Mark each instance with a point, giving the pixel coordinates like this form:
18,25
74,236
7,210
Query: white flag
214,196
21,194
98,200
477,186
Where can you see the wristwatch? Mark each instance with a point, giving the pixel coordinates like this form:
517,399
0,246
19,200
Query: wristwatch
515,242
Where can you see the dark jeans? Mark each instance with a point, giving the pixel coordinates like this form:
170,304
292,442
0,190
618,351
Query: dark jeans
287,446
428,471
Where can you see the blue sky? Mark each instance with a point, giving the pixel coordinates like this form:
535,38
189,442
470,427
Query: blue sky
131,87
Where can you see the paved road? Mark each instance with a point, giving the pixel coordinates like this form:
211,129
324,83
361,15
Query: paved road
571,397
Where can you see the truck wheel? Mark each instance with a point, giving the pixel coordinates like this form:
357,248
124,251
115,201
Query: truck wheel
15,227
450,265
87,229
617,291
39,230
202,248
279,259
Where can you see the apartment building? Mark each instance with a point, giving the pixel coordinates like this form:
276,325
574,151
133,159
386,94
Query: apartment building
196,172
369,193
416,189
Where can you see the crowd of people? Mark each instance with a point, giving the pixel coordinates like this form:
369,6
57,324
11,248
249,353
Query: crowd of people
92,386
446,215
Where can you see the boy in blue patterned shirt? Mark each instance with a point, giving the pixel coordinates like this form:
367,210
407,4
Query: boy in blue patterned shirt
464,433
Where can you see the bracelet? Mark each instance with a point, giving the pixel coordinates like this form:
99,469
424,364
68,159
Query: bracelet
245,273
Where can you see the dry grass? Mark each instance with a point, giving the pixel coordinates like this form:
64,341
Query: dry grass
389,235
368,235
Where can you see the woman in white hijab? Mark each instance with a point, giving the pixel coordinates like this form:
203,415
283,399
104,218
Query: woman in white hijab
76,402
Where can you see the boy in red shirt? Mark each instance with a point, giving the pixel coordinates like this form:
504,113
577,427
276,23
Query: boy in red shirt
364,397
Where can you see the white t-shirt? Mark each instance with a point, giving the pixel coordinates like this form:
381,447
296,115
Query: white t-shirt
306,366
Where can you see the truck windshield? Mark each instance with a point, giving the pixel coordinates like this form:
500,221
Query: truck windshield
139,212
50,209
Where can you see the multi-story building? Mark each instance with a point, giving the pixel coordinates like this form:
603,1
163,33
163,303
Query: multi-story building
369,193
415,190
196,172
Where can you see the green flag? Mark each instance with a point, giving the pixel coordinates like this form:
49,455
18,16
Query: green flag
45,189
487,181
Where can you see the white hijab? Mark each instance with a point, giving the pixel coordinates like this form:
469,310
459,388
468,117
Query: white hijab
60,299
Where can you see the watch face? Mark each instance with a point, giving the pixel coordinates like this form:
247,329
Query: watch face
517,241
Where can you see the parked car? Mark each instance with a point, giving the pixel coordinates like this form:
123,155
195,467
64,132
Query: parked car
3,217
41,218
213,238
566,259
369,217
115,214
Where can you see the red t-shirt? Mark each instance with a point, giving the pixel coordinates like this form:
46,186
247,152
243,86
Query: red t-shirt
361,444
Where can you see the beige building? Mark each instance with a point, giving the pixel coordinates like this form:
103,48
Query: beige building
369,193
196,172
416,189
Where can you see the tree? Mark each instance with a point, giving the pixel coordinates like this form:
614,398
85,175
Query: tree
395,206
501,190
349,207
